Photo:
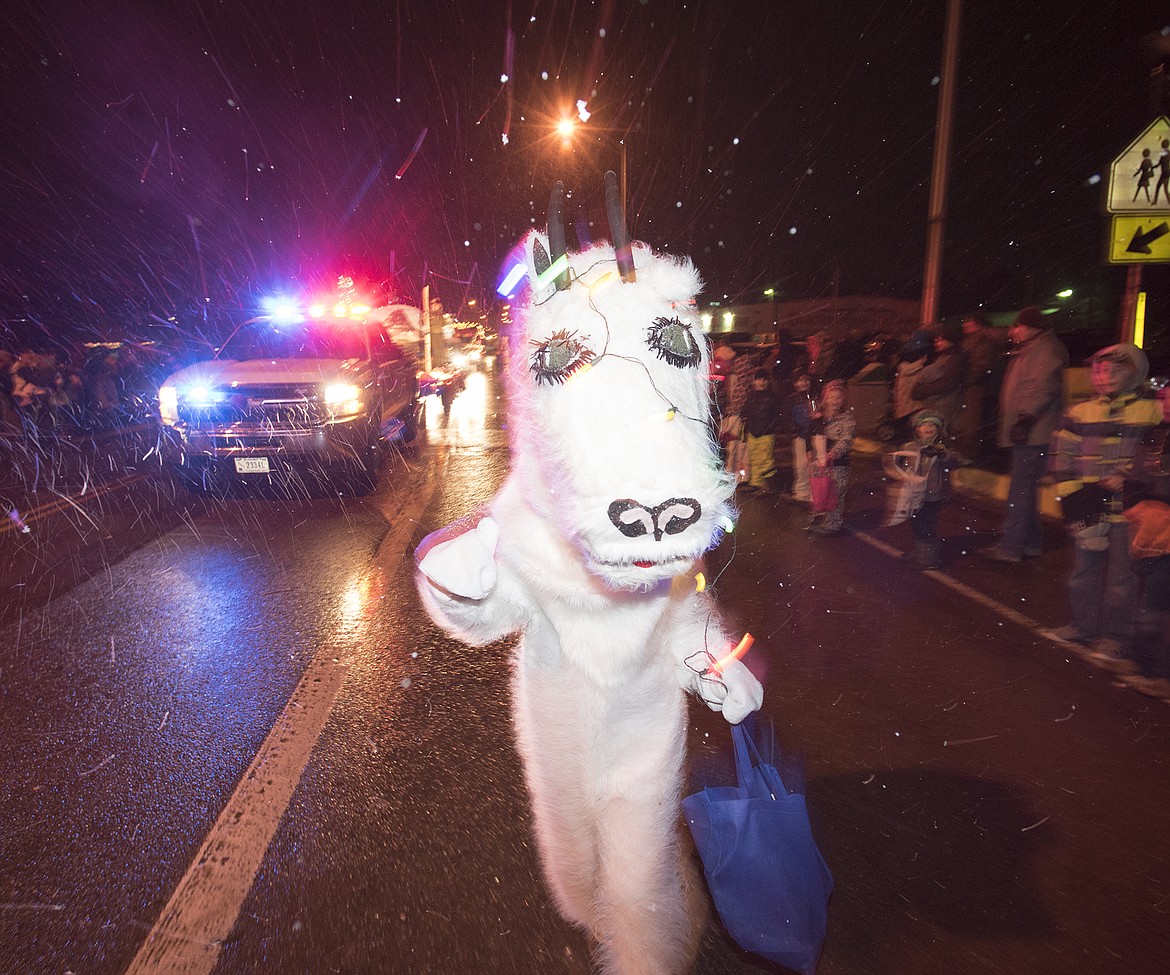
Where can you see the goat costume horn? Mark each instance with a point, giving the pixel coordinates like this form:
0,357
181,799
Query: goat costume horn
617,228
556,231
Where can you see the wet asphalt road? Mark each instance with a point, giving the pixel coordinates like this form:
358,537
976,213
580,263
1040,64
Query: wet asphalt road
987,801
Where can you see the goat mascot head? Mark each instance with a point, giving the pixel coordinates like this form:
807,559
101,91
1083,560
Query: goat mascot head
608,384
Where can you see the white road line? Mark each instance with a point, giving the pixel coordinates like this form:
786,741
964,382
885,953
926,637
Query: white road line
993,604
188,936
984,600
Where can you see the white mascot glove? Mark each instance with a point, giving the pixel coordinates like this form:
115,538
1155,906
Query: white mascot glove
466,565
733,690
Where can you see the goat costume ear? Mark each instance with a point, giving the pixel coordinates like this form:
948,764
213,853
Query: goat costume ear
536,256
544,253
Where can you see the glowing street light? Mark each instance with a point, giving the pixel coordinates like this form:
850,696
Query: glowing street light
564,128
770,294
1066,293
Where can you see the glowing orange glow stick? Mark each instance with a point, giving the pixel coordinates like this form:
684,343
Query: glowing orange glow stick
741,648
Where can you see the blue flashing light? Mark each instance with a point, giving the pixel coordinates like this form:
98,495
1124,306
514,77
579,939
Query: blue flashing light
282,311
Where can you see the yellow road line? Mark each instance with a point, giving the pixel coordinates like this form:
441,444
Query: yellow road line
98,490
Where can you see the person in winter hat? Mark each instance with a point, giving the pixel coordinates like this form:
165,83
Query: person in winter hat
1030,401
921,469
919,342
939,387
1095,448
912,360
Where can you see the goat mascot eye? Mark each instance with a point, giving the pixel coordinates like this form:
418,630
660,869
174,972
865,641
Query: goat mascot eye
673,341
558,357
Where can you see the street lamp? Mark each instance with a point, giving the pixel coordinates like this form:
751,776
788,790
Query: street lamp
566,127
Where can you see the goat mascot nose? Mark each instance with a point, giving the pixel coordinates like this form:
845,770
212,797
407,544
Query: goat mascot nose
633,519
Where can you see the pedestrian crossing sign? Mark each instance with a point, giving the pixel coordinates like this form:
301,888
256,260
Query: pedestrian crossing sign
1139,179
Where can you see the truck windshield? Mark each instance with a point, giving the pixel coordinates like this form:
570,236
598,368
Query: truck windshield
307,340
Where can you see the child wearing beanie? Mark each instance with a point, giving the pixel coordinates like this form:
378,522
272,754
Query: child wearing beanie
921,468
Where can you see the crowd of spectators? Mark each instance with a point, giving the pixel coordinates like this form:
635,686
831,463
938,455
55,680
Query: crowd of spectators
46,391
958,393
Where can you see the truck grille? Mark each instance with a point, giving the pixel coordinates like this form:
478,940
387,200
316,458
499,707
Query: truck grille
270,406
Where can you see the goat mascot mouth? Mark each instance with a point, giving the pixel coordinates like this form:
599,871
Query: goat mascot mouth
616,488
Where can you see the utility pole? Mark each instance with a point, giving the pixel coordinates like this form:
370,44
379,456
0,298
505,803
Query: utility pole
936,220
428,362
622,177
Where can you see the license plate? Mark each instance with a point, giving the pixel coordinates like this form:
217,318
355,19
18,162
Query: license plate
252,465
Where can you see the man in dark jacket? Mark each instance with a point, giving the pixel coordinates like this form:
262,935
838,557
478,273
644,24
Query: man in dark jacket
1030,405
940,384
986,360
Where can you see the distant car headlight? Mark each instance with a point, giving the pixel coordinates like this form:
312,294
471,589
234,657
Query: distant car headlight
342,397
168,405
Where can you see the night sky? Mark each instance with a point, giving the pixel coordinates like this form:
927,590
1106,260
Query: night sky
180,159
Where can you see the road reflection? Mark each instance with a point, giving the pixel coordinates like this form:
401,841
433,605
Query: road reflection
465,423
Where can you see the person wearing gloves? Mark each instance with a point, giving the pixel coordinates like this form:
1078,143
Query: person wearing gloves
1029,410
1095,448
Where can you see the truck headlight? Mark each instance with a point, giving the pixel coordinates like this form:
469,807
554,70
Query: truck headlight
168,405
202,396
343,397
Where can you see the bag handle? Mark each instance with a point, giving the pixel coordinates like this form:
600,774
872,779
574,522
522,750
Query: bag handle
746,751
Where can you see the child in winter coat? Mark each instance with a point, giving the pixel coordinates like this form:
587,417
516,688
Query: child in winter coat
1146,503
1096,447
832,440
923,466
761,413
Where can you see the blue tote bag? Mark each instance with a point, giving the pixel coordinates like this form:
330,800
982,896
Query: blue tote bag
769,881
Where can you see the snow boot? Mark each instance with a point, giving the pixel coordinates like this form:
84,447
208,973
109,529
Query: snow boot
923,556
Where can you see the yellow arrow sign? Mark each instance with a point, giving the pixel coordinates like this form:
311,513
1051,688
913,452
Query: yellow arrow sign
1135,238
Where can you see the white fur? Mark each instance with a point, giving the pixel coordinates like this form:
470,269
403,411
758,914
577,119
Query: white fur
608,646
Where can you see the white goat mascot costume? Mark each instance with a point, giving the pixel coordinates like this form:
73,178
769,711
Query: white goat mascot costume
588,549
